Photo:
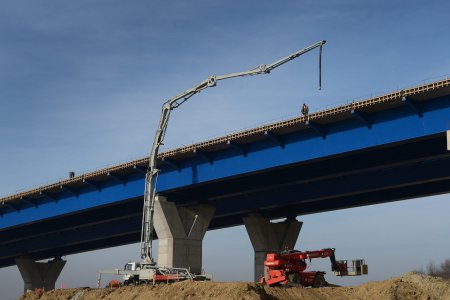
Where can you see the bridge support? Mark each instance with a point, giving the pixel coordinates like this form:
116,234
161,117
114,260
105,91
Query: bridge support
180,233
39,274
266,237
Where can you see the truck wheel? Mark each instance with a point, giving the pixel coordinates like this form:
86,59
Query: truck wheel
294,278
319,281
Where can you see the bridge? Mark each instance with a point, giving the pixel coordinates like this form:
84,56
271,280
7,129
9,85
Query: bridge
387,148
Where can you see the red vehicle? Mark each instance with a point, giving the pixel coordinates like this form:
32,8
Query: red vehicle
288,268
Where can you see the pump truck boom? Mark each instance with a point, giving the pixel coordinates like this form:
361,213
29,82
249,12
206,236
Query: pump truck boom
171,104
147,261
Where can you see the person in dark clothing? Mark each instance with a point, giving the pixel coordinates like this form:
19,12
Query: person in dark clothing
305,110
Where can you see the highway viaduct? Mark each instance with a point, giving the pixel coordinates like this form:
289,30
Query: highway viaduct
387,148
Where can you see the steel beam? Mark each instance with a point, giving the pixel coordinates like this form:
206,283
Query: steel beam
117,178
204,155
328,189
364,118
49,196
415,106
70,190
241,148
71,237
30,201
140,169
121,210
15,207
320,129
172,164
275,138
92,183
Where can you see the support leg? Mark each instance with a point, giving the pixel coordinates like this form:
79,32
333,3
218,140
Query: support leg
266,237
180,233
39,274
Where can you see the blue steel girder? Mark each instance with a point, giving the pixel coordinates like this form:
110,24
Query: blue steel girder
415,106
356,163
140,169
117,177
109,195
371,198
90,232
363,117
14,206
114,241
47,195
130,208
275,138
343,137
95,185
171,163
224,220
392,126
69,190
204,155
320,129
422,171
30,201
330,188
238,146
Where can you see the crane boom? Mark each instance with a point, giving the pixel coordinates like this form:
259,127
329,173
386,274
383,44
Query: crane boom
151,176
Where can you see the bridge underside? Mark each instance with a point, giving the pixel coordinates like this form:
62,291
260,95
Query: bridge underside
408,169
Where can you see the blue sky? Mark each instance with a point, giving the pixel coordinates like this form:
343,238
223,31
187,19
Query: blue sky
82,82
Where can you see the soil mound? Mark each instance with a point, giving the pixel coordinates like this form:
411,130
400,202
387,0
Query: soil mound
408,286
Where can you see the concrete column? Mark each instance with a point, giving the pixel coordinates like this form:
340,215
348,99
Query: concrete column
39,274
267,237
180,233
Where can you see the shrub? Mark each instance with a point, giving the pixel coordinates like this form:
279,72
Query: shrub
443,270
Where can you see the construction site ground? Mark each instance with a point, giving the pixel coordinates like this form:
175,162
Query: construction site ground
408,286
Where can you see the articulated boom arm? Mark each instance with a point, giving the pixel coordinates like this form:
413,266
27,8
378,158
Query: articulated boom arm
169,105
328,252
316,254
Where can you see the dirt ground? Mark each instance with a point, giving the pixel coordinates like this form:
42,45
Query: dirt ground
408,286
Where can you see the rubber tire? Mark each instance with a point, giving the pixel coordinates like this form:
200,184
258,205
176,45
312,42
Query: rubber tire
143,282
319,281
295,278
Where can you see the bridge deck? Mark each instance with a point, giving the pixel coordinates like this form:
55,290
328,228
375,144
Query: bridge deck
374,151
388,101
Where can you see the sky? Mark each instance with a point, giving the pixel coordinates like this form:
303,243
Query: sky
82,84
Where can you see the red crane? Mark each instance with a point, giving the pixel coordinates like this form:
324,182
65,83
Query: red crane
288,268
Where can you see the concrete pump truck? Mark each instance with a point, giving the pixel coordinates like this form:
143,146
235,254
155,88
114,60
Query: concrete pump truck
147,271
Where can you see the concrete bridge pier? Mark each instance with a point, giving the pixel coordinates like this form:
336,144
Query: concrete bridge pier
180,233
266,237
39,274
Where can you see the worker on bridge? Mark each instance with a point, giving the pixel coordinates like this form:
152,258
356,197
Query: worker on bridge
305,110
